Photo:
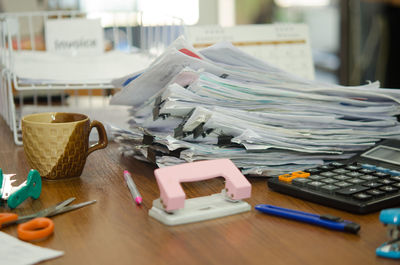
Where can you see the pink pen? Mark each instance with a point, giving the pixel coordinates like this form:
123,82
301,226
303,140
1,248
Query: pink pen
132,187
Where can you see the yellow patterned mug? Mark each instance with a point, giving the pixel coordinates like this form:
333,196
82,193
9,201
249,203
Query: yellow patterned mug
57,143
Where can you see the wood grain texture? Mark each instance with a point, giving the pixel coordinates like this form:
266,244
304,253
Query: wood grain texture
116,231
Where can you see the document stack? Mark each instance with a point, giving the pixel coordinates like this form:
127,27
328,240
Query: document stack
220,102
65,60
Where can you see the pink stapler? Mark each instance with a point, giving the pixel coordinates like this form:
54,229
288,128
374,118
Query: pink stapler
172,208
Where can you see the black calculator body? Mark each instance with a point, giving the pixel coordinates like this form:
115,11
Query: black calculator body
367,182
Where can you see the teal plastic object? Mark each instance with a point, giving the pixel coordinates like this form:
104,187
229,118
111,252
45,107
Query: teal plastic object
390,216
1,182
32,188
390,249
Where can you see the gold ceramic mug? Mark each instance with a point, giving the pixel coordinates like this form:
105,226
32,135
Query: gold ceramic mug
57,143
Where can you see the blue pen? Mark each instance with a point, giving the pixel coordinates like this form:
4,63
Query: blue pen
328,221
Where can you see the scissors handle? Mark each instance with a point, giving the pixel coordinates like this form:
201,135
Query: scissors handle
37,228
8,218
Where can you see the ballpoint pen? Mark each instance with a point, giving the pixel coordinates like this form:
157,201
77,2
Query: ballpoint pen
132,187
328,221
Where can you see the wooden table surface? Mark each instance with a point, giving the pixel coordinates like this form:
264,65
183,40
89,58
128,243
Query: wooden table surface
116,231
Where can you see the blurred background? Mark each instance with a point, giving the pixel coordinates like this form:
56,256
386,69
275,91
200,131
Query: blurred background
353,41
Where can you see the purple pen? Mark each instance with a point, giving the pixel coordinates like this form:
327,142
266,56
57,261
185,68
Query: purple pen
132,187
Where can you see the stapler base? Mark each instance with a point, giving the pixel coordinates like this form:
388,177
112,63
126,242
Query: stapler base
199,209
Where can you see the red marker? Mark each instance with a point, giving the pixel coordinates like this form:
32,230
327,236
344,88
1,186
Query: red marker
190,53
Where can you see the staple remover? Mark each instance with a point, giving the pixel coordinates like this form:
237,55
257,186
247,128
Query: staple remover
15,195
391,248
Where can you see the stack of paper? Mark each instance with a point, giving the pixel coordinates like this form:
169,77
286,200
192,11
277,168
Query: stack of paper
33,67
221,102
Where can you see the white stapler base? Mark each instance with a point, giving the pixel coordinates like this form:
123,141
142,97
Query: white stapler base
199,209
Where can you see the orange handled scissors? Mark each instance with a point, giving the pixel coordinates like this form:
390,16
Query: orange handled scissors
36,226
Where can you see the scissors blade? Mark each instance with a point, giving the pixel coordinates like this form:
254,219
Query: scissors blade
47,211
71,208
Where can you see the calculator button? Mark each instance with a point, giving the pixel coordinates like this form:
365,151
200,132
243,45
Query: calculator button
376,192
382,169
386,181
368,166
313,170
300,174
354,174
325,167
368,177
373,184
394,173
328,174
329,188
289,177
366,171
397,185
315,184
395,178
389,189
336,164
300,181
351,190
353,167
343,184
381,174
356,181
340,170
329,180
286,177
362,196
341,177
316,177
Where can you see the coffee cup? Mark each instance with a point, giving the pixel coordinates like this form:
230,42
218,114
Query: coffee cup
57,143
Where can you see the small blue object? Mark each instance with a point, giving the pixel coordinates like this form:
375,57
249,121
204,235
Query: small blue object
390,249
327,221
390,216
382,169
127,81
368,166
394,173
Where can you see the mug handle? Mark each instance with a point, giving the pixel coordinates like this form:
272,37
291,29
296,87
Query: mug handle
103,141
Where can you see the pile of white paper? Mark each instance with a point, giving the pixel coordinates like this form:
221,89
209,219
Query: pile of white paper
32,67
223,103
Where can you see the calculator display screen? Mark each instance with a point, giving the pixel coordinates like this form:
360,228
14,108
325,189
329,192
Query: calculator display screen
384,153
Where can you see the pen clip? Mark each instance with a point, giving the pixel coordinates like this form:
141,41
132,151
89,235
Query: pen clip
332,218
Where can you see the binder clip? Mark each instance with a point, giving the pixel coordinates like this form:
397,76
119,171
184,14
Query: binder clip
15,195
390,249
172,208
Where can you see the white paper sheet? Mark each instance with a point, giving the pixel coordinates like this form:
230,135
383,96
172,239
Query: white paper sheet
284,45
38,67
16,252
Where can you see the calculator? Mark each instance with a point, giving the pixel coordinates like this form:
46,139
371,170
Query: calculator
367,182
